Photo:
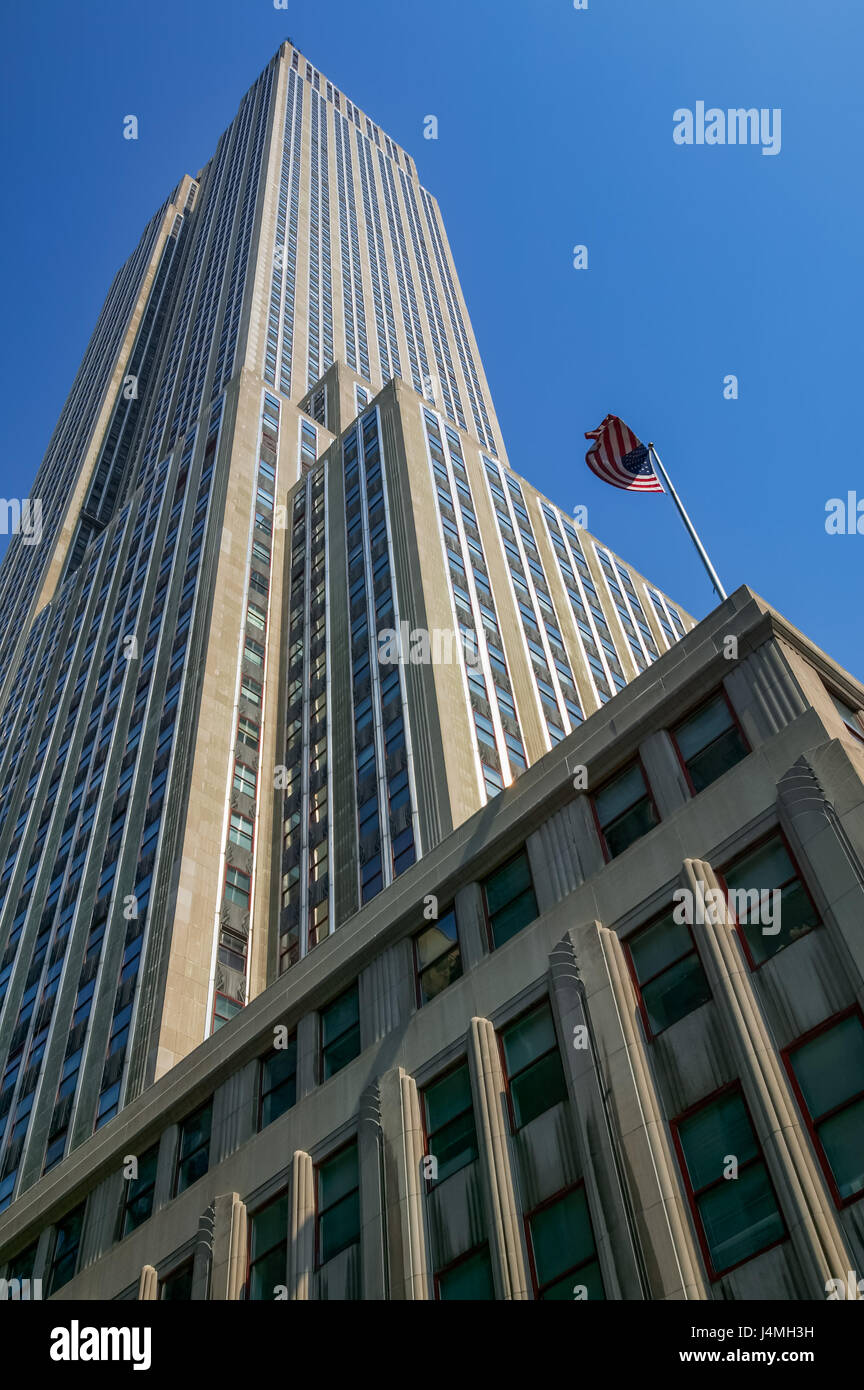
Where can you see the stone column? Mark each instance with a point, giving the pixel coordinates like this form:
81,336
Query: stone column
403,1185
504,1223
673,1266
202,1259
813,1229
370,1160
764,692
148,1285
228,1271
386,992
301,1228
607,1197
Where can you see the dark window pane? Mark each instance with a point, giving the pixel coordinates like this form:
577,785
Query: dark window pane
676,993
703,727
470,1280
339,1227
658,946
630,827
617,796
561,1237
740,1217
178,1286
842,1138
707,766
538,1088
830,1068
713,1132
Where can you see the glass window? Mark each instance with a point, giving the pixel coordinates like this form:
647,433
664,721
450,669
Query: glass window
248,732
240,831
534,1071
737,1217
749,881
510,900
67,1243
278,1082
139,1193
709,742
340,1033
224,1009
668,972
268,1250
563,1252
450,1129
193,1157
177,1287
829,1075
438,960
850,717
338,1204
237,887
469,1280
625,810
244,780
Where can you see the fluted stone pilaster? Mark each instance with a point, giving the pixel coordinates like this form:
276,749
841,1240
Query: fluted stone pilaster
504,1223
665,773
148,1285
228,1271
386,990
403,1185
471,923
301,1230
764,692
607,1196
564,852
233,1112
370,1158
673,1266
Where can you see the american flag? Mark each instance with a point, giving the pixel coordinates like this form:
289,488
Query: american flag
621,459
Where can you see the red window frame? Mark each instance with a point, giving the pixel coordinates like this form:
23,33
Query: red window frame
250,849
728,1089
499,1037
786,1056
277,1196
225,897
353,1143
220,994
541,1206
631,966
249,720
631,762
424,1126
418,993
521,852
438,1274
708,699
254,771
776,833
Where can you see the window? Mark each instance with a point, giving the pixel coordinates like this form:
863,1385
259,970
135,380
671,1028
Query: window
668,971
748,881
224,1009
468,1279
562,1251
437,958
177,1285
240,831
736,1219
338,1204
278,1082
237,886
451,1135
533,1065
625,810
340,1033
139,1193
709,743
193,1157
827,1070
248,732
254,652
244,780
850,717
250,689
268,1250
67,1243
510,900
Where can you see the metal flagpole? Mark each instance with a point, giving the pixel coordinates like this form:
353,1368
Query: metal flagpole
703,554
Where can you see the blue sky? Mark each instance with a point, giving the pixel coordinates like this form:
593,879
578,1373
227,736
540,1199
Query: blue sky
555,130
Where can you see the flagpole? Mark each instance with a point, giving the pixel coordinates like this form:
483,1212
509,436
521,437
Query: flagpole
703,554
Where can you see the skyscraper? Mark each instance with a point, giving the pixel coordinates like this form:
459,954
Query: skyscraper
292,619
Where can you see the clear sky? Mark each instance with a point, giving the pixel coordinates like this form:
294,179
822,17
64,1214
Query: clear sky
555,130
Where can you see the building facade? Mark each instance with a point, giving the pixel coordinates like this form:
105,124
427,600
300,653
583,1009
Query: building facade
280,442
518,1073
